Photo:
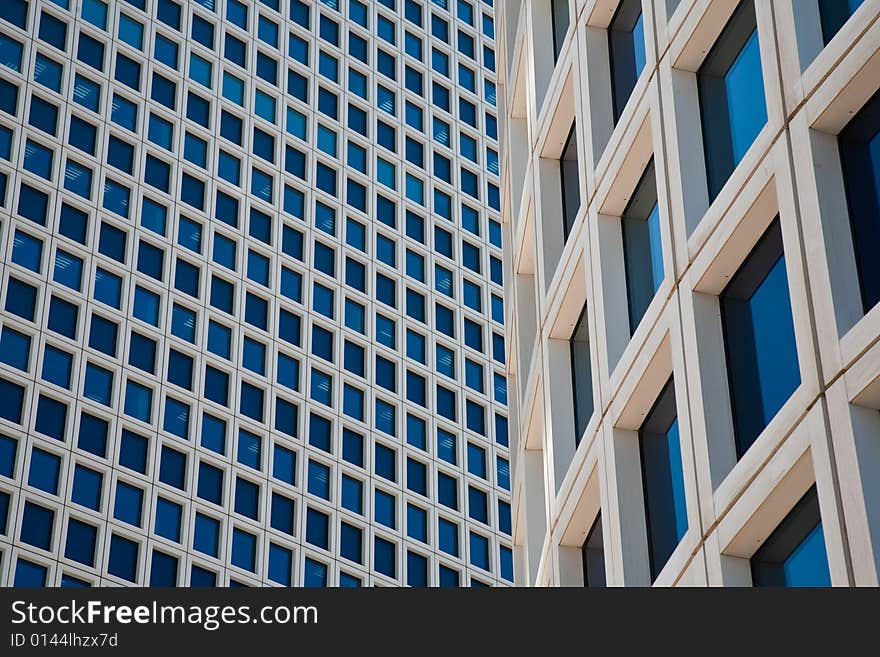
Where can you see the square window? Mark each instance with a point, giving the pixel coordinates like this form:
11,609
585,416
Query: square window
44,471
133,451
37,526
352,494
15,348
250,448
93,434
123,560
283,513
172,468
128,504
87,487
206,535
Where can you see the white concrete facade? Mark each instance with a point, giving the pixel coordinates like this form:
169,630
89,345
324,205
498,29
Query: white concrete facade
827,433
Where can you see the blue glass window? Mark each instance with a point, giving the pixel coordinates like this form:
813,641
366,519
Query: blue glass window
27,251
78,179
36,526
123,558
762,361
247,498
353,447
44,470
626,43
213,434
249,449
21,299
93,436
479,551
834,13
447,490
416,523
56,364
52,30
859,145
244,549
283,513
128,506
206,535
732,102
352,494
416,570
29,574
447,536
163,569
87,485
351,542
384,557
132,451
502,467
210,486
478,505
665,508
280,564
416,431
284,465
317,528
315,574
794,554
124,113
319,479
642,251
138,399
172,468
384,509
416,476
168,517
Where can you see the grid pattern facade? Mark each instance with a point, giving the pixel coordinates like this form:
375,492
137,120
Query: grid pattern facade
252,317
585,500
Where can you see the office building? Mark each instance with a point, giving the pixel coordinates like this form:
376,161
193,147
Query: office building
690,210
251,311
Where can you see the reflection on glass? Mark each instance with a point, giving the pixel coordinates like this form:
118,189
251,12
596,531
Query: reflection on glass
794,554
663,480
593,556
732,105
762,361
860,160
626,45
642,250
581,375
569,182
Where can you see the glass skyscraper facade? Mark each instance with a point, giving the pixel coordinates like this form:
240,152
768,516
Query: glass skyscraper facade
251,296
691,207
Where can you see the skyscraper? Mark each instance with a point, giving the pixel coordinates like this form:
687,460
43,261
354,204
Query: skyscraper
251,325
691,200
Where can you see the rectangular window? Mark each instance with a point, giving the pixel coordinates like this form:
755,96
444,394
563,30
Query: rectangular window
859,145
663,480
593,555
642,251
759,340
794,554
834,13
581,375
626,46
569,180
732,103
